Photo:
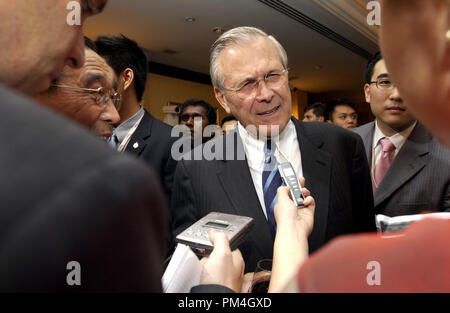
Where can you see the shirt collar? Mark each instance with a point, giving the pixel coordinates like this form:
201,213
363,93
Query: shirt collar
283,143
122,130
398,139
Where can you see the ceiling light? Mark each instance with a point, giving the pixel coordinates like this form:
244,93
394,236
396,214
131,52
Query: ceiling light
189,19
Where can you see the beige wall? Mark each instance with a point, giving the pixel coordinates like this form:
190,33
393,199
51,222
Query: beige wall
162,89
299,102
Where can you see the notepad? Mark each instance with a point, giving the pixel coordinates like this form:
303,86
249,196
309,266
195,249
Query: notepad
386,224
183,272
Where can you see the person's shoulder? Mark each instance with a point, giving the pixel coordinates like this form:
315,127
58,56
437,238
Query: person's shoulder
364,129
326,132
158,124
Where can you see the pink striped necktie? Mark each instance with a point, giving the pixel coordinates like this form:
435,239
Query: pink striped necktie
382,166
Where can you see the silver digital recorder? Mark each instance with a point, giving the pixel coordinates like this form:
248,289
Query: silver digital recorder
290,179
197,235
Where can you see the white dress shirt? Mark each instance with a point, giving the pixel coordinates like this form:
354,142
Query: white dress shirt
287,149
398,140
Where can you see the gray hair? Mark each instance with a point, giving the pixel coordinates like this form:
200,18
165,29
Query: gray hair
234,37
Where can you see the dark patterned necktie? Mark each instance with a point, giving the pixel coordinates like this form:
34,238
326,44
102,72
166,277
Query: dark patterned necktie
271,180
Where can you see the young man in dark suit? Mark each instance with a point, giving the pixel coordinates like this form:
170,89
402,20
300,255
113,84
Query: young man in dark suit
249,74
138,132
410,170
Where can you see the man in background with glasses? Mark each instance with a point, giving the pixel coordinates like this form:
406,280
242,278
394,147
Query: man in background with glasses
409,169
249,72
87,94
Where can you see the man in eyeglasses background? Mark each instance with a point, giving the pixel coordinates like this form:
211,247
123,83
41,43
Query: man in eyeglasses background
249,71
409,169
87,94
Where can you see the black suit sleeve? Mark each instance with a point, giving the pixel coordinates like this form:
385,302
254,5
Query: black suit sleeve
109,217
362,194
183,211
211,289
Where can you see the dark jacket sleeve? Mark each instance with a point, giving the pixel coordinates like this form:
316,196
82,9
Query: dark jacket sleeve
182,211
211,289
362,194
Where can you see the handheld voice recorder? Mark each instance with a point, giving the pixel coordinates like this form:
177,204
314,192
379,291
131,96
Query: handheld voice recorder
287,172
197,235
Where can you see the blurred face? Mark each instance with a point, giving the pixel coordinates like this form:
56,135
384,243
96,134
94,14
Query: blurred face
391,113
413,39
309,116
192,113
81,105
344,116
245,64
37,41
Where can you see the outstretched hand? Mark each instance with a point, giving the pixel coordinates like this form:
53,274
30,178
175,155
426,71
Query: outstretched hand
222,266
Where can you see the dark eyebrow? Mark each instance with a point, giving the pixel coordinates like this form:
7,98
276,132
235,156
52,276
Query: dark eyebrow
383,75
92,78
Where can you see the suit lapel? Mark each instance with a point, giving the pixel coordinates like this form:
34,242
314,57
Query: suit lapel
237,183
406,164
138,141
316,165
367,137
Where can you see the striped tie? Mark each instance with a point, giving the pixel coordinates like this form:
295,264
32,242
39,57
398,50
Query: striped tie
271,180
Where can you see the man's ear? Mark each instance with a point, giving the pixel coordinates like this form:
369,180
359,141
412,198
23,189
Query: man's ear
367,92
128,77
221,99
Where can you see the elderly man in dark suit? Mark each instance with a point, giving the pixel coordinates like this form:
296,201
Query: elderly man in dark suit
249,74
410,169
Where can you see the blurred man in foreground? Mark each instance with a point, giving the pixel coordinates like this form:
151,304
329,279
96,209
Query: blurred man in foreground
68,202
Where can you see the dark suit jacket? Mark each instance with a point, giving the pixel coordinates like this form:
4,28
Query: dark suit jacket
65,197
419,177
336,172
152,142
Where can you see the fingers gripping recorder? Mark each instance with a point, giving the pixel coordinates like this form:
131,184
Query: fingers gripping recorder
290,179
197,235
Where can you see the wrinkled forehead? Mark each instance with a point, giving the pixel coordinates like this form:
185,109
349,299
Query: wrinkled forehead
250,57
97,71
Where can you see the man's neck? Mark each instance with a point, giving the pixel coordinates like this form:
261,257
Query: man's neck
389,131
130,106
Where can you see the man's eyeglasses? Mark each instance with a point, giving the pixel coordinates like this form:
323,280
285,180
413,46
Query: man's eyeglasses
384,83
103,95
248,89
